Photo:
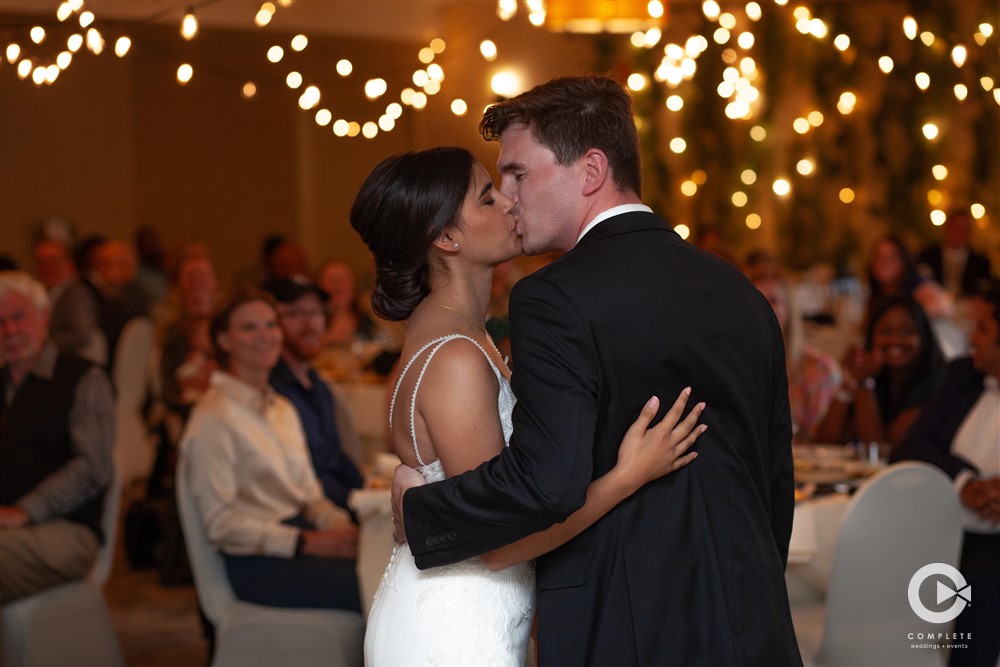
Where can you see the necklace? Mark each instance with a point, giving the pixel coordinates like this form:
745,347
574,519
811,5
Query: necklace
483,329
467,318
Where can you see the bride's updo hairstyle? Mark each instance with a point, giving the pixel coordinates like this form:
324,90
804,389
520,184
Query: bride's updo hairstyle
407,202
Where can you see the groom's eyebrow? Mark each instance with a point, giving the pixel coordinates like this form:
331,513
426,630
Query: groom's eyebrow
511,166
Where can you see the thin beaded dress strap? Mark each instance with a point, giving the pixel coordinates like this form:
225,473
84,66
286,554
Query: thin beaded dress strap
437,343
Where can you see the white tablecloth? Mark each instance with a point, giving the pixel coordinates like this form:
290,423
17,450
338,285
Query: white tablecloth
815,529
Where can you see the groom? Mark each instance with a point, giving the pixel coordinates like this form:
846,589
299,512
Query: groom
690,570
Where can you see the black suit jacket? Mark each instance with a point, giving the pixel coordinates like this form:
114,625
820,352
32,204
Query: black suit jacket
690,570
977,268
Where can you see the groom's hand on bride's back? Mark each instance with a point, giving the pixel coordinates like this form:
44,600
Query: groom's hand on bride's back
403,479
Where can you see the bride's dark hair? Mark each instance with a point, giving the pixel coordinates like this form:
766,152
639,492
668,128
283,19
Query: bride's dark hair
405,203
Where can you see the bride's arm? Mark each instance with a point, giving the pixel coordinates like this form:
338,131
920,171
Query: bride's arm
644,455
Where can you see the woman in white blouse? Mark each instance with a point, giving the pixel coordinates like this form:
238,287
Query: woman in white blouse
284,543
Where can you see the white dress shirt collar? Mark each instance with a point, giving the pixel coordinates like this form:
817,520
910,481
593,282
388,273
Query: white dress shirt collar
610,213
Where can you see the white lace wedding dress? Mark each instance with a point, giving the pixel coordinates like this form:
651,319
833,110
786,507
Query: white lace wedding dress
461,614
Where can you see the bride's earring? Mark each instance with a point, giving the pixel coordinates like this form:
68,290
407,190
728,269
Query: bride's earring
456,246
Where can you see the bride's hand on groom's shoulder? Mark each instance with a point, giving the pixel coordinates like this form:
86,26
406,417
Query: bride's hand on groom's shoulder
648,453
403,479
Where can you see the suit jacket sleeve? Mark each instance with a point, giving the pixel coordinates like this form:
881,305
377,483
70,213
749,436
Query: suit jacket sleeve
781,473
543,476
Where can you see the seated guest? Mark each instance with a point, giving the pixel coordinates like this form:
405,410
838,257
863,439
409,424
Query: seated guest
187,360
56,433
892,272
953,263
813,376
119,295
73,325
887,382
346,320
326,420
959,432
283,542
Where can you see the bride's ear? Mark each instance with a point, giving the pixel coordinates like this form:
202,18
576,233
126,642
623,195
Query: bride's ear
446,243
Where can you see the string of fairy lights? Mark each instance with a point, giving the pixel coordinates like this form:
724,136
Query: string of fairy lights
679,64
732,29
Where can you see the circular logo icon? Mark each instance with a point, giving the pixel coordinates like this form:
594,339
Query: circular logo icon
961,591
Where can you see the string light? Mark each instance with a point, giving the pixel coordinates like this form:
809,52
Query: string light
299,43
459,107
189,26
753,221
488,49
344,68
122,46
13,52
184,74
37,34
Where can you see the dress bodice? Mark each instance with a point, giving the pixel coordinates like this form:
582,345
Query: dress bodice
458,614
434,471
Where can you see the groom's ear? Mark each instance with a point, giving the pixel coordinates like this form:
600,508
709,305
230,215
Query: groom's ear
595,170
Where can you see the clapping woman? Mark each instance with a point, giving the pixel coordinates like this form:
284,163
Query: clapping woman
886,382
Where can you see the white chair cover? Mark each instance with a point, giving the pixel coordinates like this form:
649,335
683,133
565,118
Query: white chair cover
904,518
250,635
69,624
134,448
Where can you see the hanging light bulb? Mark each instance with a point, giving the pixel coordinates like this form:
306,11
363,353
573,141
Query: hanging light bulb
189,25
184,73
958,55
122,46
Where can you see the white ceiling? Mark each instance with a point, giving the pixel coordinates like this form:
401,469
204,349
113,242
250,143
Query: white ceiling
392,19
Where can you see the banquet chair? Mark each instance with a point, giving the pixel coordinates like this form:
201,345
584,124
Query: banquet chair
134,448
905,517
68,624
251,635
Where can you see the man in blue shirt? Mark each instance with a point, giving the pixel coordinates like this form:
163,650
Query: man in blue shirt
324,420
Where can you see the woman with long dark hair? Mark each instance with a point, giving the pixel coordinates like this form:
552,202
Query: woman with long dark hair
887,382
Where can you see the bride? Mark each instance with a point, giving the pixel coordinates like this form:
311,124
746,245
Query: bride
437,227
